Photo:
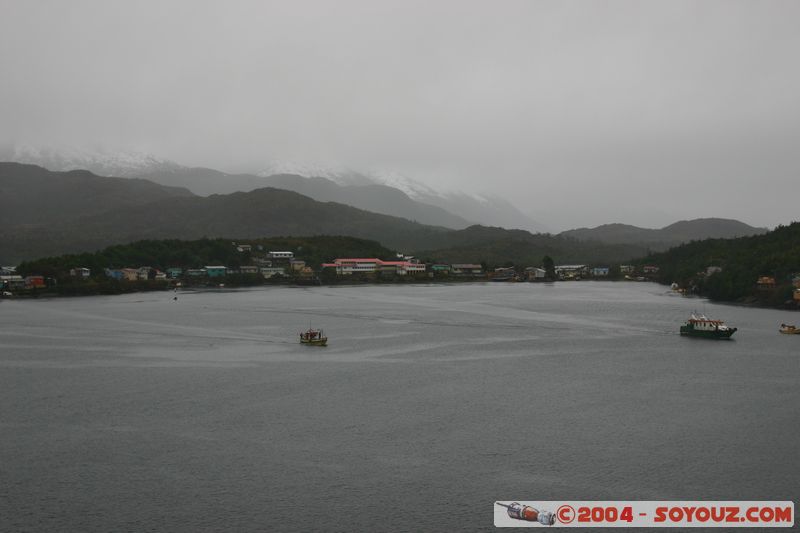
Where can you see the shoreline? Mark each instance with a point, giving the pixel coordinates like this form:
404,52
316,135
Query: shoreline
119,288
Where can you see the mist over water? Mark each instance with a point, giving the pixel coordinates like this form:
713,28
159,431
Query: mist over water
139,412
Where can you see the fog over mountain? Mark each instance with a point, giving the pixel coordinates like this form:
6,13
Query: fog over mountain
386,193
575,113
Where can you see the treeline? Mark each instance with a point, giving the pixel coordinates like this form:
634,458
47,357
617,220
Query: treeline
742,260
501,247
163,254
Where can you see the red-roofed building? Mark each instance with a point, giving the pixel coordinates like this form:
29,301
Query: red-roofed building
348,266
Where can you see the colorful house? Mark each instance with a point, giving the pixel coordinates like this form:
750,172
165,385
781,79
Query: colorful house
174,272
113,273
34,282
217,271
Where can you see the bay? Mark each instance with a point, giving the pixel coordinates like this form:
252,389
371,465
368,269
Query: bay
140,412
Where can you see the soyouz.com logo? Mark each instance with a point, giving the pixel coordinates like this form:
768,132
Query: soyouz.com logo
644,514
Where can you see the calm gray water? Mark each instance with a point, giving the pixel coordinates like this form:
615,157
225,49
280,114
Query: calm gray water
140,413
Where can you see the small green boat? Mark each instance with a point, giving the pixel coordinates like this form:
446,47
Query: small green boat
706,328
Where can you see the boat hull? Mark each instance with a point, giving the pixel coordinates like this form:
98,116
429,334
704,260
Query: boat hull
315,342
687,331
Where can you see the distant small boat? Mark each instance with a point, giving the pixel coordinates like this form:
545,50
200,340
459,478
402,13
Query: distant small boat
789,329
704,327
313,337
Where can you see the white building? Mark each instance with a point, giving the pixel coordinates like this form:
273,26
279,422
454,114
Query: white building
536,273
281,255
349,266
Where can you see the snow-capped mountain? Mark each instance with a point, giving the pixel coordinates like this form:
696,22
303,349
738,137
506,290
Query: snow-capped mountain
479,208
468,207
335,172
101,162
343,175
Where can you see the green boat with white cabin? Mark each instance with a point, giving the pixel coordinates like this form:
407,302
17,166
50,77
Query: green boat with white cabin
706,328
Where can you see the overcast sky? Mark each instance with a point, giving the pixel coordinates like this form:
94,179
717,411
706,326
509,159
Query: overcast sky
614,111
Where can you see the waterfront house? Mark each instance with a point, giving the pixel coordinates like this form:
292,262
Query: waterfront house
572,271
248,269
349,266
404,268
269,272
12,282
174,272
296,264
504,273
129,274
650,269
626,269
535,273
306,272
244,248
600,272
766,283
195,272
113,273
34,282
216,271
466,269
440,269
81,273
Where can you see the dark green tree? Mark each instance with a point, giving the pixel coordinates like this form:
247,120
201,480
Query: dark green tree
549,267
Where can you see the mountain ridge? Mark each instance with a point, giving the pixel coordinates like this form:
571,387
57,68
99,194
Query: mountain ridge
452,208
663,238
50,213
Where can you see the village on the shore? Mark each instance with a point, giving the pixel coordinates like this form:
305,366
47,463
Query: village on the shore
262,266
285,266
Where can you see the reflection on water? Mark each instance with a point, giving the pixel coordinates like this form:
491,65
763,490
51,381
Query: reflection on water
141,412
